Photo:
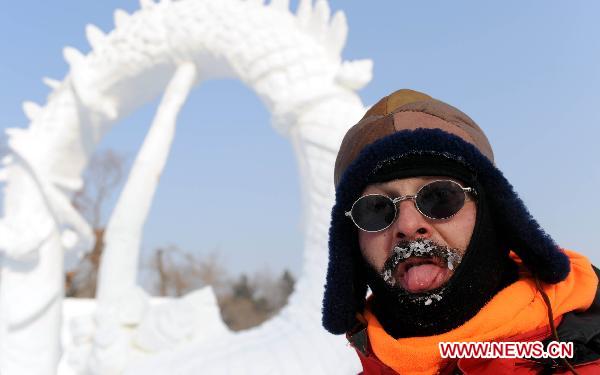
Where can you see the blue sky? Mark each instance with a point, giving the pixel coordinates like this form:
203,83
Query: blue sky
527,72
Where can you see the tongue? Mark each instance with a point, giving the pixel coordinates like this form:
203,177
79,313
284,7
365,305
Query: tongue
423,277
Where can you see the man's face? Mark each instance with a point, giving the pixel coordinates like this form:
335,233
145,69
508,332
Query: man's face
448,238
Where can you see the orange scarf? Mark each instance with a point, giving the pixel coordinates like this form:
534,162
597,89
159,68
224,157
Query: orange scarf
516,309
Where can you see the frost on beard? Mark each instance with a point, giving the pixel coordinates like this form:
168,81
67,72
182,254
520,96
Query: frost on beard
420,248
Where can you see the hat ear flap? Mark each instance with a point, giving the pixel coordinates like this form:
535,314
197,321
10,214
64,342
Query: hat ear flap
522,233
346,287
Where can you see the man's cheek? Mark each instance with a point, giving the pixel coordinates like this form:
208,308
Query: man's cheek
376,262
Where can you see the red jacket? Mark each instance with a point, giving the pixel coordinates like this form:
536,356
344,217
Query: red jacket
581,328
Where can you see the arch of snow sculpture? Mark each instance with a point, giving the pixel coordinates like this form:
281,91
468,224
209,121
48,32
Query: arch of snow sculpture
293,63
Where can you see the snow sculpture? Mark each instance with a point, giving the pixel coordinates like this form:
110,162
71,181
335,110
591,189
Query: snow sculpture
293,63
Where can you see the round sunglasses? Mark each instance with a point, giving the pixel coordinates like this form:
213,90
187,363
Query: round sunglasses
437,200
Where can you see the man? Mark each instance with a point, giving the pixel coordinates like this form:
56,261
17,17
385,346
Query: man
451,254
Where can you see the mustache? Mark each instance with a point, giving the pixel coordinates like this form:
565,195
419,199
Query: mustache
423,248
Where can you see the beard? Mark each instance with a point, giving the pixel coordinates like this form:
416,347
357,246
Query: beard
418,270
405,263
475,277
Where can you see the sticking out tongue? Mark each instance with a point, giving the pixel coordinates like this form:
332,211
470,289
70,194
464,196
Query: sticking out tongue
424,277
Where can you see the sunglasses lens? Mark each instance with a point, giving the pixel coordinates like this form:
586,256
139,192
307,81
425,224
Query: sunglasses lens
373,212
441,199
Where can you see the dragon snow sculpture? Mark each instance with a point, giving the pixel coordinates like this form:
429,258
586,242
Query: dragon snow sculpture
293,63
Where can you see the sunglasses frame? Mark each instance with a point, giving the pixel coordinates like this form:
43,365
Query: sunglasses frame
414,199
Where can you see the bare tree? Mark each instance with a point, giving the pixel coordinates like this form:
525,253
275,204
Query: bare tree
244,301
101,179
253,300
103,175
175,272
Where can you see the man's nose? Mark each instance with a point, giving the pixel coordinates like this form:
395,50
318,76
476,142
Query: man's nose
410,224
